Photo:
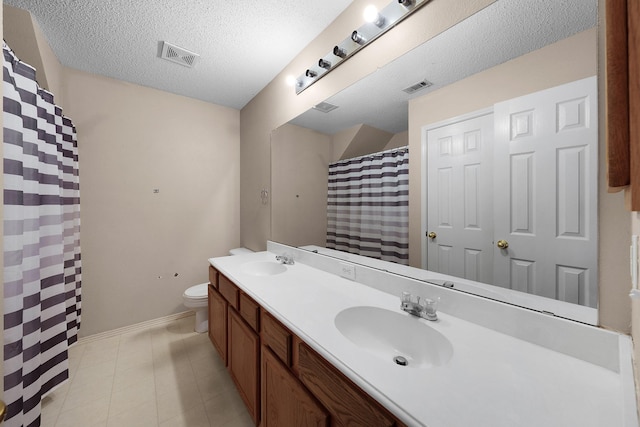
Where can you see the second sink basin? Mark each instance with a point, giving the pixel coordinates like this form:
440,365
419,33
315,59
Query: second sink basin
263,268
388,334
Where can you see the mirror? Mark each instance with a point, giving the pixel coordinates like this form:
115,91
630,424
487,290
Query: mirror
509,50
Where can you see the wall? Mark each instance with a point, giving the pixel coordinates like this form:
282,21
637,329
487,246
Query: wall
25,38
399,140
133,140
562,62
277,103
299,168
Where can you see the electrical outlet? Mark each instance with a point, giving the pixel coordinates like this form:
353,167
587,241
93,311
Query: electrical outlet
348,271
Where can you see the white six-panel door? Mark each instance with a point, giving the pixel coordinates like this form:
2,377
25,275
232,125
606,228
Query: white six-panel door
545,170
459,198
526,175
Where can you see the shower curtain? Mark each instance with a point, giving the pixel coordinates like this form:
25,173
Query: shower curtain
368,205
42,274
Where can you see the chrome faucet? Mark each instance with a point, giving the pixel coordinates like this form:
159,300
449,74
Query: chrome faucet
285,259
413,305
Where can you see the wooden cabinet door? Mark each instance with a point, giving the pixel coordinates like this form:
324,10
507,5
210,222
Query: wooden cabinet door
347,404
218,322
285,401
244,348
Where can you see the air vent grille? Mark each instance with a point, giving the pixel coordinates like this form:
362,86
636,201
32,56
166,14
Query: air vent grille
325,107
176,54
418,86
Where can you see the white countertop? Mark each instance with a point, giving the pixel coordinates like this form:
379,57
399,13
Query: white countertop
492,379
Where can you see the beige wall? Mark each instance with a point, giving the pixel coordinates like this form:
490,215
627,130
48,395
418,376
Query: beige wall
25,38
299,167
399,140
562,62
133,140
277,103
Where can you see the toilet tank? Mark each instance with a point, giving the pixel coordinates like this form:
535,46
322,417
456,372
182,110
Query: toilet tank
240,251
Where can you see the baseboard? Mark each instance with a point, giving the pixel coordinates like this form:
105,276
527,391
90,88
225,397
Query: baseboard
133,328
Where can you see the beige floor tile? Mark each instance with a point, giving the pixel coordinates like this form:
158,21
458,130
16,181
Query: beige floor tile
199,347
137,395
219,382
134,360
129,378
92,358
144,415
194,417
90,374
87,415
224,409
242,420
207,366
84,394
167,379
173,401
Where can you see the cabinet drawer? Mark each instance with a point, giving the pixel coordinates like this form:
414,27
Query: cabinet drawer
276,336
249,310
347,404
228,290
213,277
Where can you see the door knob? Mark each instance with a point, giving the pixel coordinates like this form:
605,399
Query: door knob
503,244
432,235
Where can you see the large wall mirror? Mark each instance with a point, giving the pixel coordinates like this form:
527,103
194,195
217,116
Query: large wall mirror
478,85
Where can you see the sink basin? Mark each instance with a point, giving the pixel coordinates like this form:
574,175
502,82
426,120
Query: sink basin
263,268
388,334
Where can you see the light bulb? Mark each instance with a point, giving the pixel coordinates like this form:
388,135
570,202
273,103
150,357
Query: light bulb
370,13
291,80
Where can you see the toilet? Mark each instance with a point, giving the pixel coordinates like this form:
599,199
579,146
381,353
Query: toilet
196,298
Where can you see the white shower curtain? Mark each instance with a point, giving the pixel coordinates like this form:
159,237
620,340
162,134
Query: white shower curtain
42,274
368,205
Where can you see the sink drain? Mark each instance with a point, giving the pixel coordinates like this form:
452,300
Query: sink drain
400,361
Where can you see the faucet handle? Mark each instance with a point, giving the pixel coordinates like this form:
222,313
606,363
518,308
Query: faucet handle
430,307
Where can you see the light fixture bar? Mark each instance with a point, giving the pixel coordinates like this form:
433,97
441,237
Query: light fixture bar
389,17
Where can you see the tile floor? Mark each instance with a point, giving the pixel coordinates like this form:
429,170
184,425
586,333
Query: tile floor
161,376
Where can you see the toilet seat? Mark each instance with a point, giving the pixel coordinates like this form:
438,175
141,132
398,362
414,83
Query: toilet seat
196,292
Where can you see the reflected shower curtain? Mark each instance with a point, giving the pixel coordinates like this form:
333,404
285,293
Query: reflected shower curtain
41,242
368,205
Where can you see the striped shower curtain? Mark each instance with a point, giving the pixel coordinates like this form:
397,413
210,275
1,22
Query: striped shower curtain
368,205
41,242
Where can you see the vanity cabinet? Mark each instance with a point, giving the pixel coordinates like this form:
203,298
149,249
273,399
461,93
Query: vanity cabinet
233,330
285,400
282,380
243,357
218,322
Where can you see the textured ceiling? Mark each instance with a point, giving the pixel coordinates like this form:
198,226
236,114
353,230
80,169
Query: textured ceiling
242,44
504,30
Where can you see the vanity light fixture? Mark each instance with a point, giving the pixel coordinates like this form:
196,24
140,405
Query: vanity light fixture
378,23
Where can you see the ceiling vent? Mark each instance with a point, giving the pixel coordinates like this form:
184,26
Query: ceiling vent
325,107
418,86
178,55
